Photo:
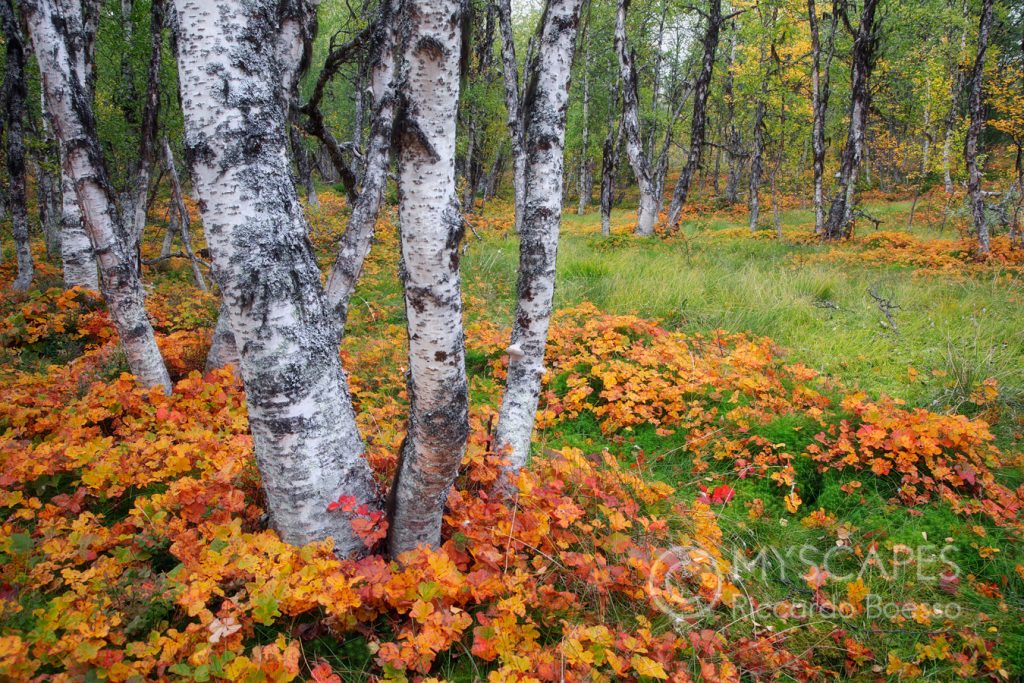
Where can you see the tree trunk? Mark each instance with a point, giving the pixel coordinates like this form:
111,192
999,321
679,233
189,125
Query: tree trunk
15,94
48,199
647,211
512,106
60,34
223,349
585,180
545,142
702,89
135,203
302,165
756,165
977,114
431,231
234,59
75,248
956,84
355,242
820,90
468,188
178,197
609,166
840,213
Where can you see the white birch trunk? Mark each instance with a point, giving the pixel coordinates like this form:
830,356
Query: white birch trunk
355,242
431,229
647,211
237,61
512,106
75,248
60,35
545,146
977,113
698,123
223,349
584,182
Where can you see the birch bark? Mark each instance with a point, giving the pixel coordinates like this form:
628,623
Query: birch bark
61,37
698,124
512,106
355,242
840,213
545,146
431,230
237,61
820,88
977,114
647,211
15,94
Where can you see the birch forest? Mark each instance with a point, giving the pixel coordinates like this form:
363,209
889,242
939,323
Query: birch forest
511,340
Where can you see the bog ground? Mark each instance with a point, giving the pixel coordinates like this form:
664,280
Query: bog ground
744,469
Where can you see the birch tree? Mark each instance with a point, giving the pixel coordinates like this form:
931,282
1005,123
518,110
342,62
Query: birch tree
354,244
821,78
15,94
431,229
977,114
510,70
840,214
236,64
77,260
698,123
545,145
60,36
647,210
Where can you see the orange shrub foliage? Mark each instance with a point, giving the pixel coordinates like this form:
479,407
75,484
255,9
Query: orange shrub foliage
628,371
947,257
104,492
949,456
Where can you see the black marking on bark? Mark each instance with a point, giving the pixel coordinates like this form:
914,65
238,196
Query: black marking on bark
431,47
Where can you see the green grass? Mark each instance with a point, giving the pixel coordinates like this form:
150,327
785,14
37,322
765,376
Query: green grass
821,313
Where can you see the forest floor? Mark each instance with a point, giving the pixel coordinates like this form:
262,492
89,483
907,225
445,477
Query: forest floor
756,458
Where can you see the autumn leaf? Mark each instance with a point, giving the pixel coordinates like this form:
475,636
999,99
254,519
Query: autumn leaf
646,666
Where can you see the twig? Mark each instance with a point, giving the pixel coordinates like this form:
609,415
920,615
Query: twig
886,306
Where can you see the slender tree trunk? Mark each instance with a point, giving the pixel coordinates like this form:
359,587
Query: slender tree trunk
734,141
820,90
977,114
15,94
431,231
48,186
585,180
135,204
702,89
233,59
609,167
513,105
223,349
647,212
178,197
756,165
48,199
926,142
545,142
355,242
956,84
302,165
60,34
840,213
468,188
